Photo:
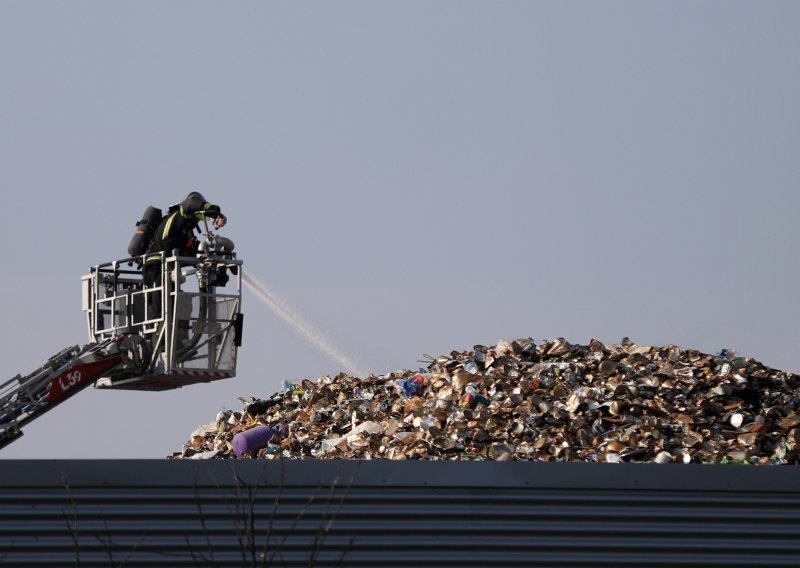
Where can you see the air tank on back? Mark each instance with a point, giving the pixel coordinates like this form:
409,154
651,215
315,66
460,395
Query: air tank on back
145,229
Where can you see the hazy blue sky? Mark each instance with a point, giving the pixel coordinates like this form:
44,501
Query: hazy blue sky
412,177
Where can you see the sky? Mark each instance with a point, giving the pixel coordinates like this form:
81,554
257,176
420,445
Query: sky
412,178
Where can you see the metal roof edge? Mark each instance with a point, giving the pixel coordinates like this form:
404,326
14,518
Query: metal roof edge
389,473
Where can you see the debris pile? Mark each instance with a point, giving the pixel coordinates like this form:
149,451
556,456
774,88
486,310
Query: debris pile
519,400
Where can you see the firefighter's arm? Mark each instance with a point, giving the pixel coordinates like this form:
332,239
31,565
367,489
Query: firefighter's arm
215,213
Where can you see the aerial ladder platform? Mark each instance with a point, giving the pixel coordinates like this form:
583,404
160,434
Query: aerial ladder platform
183,329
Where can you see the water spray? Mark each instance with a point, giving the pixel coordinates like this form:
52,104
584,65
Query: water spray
306,330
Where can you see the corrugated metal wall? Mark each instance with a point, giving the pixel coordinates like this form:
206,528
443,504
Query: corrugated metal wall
379,513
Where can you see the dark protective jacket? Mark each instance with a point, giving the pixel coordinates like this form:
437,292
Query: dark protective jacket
176,229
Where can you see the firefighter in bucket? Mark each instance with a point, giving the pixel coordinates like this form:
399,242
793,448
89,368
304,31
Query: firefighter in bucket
174,231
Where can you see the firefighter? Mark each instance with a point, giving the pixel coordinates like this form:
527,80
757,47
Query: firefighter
176,232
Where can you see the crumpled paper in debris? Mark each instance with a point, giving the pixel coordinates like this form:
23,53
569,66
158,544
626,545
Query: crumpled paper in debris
518,400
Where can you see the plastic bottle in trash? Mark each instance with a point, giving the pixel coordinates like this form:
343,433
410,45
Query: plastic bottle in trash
414,385
252,440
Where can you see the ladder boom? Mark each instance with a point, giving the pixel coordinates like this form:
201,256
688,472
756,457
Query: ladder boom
23,399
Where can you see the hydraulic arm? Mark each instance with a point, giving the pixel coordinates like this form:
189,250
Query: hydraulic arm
66,373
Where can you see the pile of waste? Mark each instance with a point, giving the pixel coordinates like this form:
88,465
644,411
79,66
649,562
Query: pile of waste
519,400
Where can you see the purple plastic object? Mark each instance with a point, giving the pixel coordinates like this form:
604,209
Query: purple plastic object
256,438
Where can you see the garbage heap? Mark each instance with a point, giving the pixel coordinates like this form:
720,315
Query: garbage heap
518,400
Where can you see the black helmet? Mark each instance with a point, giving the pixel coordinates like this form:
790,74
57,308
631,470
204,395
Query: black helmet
195,195
192,203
